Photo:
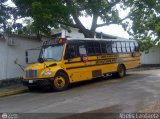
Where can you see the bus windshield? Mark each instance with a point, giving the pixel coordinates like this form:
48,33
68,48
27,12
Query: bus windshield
52,52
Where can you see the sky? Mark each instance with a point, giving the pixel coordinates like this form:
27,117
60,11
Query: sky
114,29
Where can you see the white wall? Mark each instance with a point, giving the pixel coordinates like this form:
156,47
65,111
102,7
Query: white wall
8,55
153,57
74,34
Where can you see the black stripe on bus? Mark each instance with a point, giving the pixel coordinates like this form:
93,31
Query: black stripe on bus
95,60
78,61
99,64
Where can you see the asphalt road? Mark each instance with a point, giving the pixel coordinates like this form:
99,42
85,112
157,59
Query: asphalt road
129,94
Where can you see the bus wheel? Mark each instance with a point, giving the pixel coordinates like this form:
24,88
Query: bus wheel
121,71
60,82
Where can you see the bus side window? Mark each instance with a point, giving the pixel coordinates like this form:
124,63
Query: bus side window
127,47
109,47
123,47
103,47
71,51
97,48
119,47
114,47
132,46
90,48
82,49
136,46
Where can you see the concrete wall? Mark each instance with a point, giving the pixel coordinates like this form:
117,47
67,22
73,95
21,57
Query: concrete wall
74,34
64,33
153,57
8,55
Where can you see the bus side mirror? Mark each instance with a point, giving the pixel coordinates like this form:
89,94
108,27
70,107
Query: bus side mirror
26,57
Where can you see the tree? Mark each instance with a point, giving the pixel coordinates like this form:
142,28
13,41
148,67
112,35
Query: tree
66,13
3,15
28,29
145,19
6,13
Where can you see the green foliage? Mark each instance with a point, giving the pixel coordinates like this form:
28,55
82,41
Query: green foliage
145,44
146,22
144,15
6,13
53,13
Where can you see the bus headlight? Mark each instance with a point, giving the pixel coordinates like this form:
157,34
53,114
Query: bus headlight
47,73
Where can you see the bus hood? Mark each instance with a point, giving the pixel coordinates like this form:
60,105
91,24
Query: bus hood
41,66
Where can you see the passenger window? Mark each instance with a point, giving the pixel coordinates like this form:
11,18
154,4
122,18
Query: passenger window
136,46
71,51
82,47
123,47
109,47
82,50
97,48
103,48
114,47
127,47
132,46
90,48
119,47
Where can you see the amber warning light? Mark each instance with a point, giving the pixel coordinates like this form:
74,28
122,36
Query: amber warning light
62,40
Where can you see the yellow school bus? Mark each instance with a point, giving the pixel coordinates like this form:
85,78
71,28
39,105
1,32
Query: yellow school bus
64,61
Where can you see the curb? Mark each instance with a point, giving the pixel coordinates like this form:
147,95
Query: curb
14,92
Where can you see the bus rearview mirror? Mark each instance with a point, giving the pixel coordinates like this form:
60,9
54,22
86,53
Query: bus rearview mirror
26,56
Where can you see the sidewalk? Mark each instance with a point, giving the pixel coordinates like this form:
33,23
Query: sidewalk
152,108
144,68
12,90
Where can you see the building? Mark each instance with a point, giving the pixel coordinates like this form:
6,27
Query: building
152,57
75,33
12,51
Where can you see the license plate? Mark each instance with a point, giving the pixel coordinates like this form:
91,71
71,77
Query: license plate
30,81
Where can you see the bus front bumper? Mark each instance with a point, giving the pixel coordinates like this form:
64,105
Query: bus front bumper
37,82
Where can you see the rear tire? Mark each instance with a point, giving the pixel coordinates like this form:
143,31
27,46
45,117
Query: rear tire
60,82
121,72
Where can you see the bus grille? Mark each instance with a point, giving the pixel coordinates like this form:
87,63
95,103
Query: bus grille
31,73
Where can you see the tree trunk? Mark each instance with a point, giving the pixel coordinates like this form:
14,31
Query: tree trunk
88,35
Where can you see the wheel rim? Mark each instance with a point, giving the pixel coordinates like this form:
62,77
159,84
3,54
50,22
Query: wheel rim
59,82
121,71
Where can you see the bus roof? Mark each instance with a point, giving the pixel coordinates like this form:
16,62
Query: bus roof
96,39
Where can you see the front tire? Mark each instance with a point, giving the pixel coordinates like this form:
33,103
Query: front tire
60,82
